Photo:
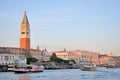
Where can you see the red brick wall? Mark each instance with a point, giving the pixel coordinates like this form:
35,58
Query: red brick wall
25,43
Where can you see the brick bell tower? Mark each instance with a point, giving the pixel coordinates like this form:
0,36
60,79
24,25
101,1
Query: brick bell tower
25,33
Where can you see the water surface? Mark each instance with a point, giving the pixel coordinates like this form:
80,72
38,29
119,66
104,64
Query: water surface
64,74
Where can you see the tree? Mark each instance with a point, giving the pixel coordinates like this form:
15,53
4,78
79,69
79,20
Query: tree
31,59
54,58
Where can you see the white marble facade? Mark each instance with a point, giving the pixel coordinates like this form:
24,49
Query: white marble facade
9,59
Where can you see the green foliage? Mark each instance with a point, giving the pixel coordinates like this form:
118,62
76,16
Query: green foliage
66,61
54,58
31,59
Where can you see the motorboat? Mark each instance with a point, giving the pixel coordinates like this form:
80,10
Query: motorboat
21,70
35,68
29,68
89,67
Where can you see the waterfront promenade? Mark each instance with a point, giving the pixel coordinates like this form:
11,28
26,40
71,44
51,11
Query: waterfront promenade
64,74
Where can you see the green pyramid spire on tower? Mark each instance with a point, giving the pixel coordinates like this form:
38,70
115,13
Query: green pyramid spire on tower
25,19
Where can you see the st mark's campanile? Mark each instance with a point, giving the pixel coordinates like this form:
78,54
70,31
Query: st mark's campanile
25,33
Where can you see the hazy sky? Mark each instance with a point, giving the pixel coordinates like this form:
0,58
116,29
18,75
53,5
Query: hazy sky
92,25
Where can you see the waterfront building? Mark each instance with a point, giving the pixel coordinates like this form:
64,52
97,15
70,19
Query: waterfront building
8,58
62,54
24,50
44,56
21,52
84,57
117,61
106,60
79,56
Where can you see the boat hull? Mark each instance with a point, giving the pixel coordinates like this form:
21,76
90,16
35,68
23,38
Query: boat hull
36,71
88,69
20,71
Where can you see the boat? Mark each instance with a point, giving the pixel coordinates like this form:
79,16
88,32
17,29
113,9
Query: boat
10,68
21,70
21,67
89,67
29,68
35,68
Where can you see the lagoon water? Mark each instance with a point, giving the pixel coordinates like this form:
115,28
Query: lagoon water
64,74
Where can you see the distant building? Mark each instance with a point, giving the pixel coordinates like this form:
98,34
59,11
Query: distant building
62,54
84,57
106,60
9,54
80,56
44,56
25,33
25,38
117,61
7,59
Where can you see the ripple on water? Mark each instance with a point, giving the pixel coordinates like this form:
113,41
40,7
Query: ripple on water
65,74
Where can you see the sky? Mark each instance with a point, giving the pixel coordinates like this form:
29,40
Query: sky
92,25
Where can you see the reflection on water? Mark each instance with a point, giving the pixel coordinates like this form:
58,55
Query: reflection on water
23,77
64,74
